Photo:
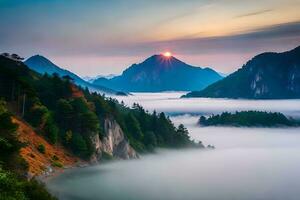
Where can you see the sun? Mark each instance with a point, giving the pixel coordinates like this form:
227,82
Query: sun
167,54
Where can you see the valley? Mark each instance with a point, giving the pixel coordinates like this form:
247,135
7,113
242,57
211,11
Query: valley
149,100
241,154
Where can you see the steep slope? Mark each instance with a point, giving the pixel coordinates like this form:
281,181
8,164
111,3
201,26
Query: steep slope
266,76
43,65
161,73
54,158
15,182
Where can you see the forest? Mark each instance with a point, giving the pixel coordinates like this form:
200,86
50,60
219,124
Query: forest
248,118
67,114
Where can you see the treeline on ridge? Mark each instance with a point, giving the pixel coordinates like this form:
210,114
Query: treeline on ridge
248,118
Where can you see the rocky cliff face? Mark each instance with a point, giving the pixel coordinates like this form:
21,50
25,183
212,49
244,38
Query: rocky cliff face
113,143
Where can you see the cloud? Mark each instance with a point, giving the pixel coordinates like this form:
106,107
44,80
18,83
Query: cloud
279,35
254,13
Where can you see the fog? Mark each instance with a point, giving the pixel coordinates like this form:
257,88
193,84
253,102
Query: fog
247,164
171,103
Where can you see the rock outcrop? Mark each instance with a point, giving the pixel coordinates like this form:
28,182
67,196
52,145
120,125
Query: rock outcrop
113,143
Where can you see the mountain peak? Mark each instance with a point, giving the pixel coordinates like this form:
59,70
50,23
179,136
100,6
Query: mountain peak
163,57
41,60
161,61
43,65
161,72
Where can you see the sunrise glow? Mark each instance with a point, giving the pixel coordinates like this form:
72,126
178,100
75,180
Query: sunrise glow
167,54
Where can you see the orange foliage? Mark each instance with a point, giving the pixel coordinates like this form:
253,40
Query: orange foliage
76,93
39,162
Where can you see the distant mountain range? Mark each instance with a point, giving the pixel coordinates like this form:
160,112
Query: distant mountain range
161,73
266,76
42,65
91,79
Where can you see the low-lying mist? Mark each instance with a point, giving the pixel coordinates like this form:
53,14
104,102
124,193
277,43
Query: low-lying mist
233,173
171,103
239,137
247,164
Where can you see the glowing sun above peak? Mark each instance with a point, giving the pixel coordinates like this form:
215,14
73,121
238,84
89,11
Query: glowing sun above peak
167,54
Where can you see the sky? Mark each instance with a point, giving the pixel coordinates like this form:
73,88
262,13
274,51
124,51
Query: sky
104,37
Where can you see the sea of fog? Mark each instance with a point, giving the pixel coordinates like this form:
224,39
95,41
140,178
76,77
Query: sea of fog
247,164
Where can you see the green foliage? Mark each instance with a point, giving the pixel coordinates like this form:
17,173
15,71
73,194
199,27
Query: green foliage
52,88
133,127
181,137
10,187
51,130
78,145
75,116
37,115
40,117
9,144
64,114
150,140
57,164
89,122
68,137
13,185
55,158
41,148
35,190
247,118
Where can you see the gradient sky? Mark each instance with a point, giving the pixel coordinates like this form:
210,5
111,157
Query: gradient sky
106,36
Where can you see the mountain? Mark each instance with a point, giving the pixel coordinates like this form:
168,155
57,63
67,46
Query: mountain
266,76
161,73
88,124
48,123
91,79
42,65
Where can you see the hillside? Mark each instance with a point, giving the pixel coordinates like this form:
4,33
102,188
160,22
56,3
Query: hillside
15,171
85,123
55,157
42,65
161,73
266,76
47,122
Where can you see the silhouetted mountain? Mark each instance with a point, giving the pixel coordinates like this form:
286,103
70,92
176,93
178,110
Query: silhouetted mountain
43,65
160,73
266,76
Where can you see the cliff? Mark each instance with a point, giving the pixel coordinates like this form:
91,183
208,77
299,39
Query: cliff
114,143
56,157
